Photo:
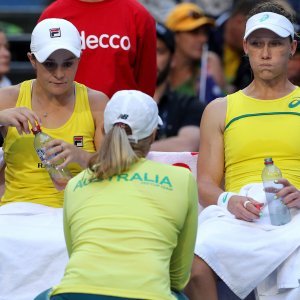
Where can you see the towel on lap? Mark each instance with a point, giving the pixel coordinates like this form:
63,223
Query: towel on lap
33,255
246,254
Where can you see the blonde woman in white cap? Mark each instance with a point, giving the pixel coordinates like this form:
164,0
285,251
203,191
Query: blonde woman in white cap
67,111
130,223
235,239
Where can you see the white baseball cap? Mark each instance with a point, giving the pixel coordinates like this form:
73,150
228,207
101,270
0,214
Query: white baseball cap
272,21
134,108
53,34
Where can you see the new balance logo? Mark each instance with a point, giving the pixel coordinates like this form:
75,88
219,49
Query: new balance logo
123,117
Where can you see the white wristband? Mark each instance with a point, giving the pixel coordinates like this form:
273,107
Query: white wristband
224,198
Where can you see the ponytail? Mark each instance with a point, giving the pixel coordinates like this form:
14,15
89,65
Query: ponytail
117,154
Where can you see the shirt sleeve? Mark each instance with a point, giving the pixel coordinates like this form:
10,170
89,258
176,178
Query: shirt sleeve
145,69
183,254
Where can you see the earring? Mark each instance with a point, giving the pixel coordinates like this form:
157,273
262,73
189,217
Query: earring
291,56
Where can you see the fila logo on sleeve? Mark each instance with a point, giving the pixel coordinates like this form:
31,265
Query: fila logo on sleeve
104,41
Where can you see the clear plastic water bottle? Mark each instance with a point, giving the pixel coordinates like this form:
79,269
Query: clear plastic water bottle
279,212
59,176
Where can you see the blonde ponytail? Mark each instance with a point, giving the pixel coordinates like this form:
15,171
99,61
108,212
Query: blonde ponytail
117,153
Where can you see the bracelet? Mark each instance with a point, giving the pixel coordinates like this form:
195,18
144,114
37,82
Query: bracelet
224,199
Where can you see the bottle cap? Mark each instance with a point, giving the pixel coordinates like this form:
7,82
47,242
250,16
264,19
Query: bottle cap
268,161
37,129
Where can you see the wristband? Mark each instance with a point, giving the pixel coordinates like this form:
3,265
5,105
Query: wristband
224,199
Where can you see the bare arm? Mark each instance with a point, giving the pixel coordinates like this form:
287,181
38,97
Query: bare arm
211,163
211,152
98,102
186,140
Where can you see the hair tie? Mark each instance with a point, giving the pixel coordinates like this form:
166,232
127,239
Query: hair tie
121,125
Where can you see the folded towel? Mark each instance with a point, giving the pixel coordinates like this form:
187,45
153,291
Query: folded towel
244,253
33,254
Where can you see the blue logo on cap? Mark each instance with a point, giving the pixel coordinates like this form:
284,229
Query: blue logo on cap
264,18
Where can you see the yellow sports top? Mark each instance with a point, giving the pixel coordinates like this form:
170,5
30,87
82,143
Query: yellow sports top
26,178
256,129
132,235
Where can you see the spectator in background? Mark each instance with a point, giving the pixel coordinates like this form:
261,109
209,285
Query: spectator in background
195,70
294,62
4,60
159,9
213,8
180,113
227,41
294,68
118,43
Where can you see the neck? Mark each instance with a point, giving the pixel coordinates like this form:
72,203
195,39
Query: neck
182,70
47,97
159,91
262,89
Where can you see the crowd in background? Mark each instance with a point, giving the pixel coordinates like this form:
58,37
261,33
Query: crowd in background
220,42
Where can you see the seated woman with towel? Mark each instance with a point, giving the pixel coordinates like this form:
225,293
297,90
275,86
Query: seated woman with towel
31,207
130,223
237,133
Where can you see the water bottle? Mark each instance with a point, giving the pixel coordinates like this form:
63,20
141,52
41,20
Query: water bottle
279,212
59,176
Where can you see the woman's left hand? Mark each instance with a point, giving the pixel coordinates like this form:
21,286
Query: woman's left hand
66,152
289,193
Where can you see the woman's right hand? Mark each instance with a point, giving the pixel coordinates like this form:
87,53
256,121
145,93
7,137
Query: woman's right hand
244,208
19,117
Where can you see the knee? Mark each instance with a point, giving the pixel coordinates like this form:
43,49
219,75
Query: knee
200,270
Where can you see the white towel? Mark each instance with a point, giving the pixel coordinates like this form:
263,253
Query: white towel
32,250
246,254
181,159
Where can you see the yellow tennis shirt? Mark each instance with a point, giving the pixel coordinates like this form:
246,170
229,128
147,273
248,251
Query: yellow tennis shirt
26,178
256,129
132,235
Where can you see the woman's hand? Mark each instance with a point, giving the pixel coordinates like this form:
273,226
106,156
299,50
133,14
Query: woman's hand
66,152
244,208
290,194
19,117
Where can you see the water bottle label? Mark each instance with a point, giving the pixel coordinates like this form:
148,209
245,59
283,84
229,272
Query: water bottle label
41,153
272,187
